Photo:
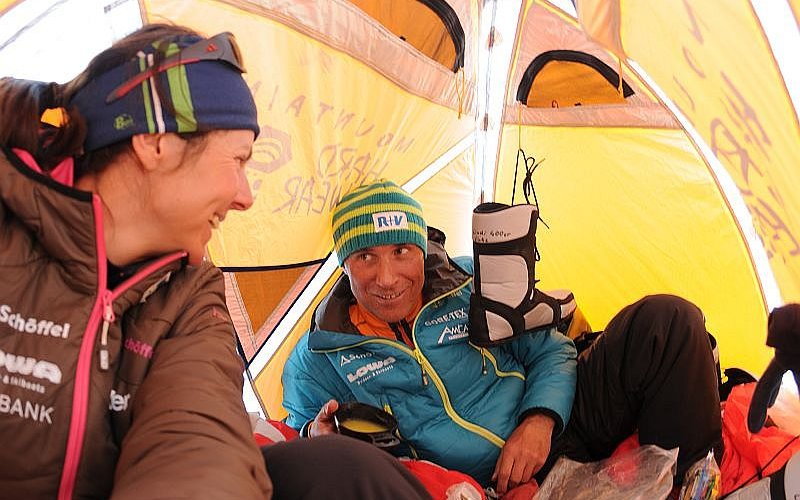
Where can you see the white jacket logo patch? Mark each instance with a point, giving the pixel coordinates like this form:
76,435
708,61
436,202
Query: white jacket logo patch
454,332
118,402
32,325
343,360
387,221
369,370
23,365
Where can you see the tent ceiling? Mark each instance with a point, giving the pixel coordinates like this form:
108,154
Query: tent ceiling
559,78
432,26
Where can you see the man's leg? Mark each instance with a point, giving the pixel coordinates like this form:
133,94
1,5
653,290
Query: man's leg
337,467
653,371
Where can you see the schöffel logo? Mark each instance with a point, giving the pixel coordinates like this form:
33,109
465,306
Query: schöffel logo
139,347
32,325
388,221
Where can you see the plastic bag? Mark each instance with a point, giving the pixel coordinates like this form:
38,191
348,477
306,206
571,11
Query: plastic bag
755,491
702,480
786,410
642,473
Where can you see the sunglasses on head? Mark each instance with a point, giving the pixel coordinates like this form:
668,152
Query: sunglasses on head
221,47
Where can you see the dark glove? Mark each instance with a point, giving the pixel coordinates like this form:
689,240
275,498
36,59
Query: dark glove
783,333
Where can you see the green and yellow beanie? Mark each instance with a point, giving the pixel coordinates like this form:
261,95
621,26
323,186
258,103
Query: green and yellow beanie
380,213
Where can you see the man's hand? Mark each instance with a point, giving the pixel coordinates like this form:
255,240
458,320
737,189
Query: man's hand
524,453
323,422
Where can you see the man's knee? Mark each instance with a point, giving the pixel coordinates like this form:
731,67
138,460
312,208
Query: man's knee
670,304
666,307
663,320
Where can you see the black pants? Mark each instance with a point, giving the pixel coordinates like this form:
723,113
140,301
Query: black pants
337,467
651,370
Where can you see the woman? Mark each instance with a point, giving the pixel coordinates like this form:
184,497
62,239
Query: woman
116,346
117,362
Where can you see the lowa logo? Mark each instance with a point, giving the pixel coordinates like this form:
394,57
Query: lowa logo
370,369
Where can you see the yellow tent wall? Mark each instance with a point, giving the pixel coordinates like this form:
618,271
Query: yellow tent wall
633,208
714,60
318,142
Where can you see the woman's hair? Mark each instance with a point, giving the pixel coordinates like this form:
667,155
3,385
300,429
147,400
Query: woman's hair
22,103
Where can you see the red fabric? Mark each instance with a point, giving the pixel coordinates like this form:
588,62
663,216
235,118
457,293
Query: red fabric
273,431
262,440
626,468
438,481
746,453
284,429
523,491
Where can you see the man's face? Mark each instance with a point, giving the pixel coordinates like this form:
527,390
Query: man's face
387,279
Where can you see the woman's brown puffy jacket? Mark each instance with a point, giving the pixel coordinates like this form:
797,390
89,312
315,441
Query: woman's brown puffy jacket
130,392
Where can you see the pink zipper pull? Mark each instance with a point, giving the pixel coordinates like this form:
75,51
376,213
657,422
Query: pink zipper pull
108,318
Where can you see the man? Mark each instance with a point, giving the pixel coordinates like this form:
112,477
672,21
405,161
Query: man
393,333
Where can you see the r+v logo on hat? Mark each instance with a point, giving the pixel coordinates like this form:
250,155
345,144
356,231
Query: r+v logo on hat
387,221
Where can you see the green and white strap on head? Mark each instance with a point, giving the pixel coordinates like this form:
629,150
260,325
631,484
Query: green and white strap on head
381,213
197,87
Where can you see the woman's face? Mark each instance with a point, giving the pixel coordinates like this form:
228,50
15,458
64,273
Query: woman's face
189,201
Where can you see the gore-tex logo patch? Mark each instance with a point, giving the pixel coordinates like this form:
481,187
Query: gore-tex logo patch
388,221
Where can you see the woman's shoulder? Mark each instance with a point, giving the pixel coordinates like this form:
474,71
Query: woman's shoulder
191,280
185,293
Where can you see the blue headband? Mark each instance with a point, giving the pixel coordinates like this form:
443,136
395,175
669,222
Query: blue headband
193,96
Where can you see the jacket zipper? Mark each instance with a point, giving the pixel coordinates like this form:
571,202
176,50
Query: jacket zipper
448,407
421,362
109,297
108,318
102,308
487,354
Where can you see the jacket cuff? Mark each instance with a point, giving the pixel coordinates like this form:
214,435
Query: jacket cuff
305,429
558,424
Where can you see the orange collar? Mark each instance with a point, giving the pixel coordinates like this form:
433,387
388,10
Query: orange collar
370,325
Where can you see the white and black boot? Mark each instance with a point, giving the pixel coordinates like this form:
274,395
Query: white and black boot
505,302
